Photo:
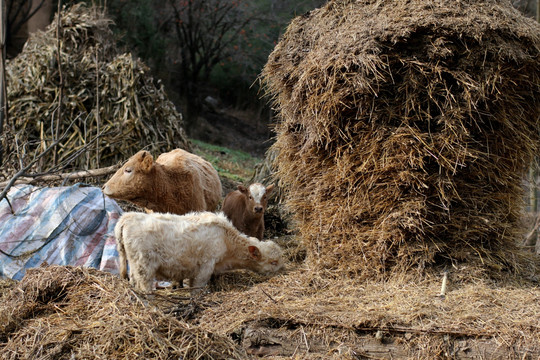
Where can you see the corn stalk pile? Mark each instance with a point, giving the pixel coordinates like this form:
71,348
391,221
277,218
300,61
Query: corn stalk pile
110,106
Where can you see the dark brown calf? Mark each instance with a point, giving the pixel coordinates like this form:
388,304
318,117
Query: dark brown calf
245,208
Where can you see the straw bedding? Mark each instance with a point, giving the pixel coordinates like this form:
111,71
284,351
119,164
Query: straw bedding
317,315
405,128
300,313
66,312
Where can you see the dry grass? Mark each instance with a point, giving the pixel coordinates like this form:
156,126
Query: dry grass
326,316
65,312
300,313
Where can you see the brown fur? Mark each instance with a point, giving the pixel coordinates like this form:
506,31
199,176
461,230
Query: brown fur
247,214
177,182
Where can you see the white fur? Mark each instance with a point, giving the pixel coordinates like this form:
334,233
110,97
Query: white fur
257,191
193,246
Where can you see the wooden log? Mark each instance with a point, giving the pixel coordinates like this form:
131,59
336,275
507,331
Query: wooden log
29,179
383,343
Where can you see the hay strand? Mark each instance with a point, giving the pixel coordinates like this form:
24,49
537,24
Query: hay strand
68,312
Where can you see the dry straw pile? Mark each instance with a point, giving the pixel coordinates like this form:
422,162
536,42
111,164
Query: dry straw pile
113,104
64,313
311,315
405,130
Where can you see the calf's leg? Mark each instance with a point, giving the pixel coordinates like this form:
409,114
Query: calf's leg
201,279
143,278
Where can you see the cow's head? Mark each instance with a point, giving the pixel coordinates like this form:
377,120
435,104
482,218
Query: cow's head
133,179
257,197
267,256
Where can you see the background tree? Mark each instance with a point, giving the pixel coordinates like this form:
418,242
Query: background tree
206,31
204,47
18,12
141,29
527,7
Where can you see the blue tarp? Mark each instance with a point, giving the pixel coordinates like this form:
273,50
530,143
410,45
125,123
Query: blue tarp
60,225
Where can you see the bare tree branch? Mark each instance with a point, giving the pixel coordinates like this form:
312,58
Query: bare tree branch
23,171
205,31
35,179
18,13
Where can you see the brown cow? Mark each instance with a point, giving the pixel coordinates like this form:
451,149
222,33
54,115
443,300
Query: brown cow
177,182
245,208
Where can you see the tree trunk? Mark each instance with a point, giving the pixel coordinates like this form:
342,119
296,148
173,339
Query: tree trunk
192,108
3,96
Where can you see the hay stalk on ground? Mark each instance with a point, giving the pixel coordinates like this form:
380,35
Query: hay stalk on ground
67,312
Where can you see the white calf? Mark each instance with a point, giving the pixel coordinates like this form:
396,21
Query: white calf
193,246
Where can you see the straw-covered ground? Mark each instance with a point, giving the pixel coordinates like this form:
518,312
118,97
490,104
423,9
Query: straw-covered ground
64,313
301,313
314,315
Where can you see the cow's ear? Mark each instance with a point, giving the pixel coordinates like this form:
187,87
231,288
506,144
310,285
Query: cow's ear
146,161
242,189
269,189
254,252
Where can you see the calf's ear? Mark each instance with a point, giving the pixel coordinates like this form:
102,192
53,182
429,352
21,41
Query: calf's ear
269,189
254,252
146,161
242,189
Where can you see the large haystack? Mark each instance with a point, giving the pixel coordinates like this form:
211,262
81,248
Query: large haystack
113,104
405,129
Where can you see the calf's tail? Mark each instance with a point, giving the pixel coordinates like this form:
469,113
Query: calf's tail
122,258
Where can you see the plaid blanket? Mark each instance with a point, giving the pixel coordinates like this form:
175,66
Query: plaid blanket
61,225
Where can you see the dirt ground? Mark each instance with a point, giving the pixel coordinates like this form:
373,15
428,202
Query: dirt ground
235,129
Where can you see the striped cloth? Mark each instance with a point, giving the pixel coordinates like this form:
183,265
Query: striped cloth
61,225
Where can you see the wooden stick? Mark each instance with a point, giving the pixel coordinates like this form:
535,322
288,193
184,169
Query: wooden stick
29,179
59,34
271,298
443,286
